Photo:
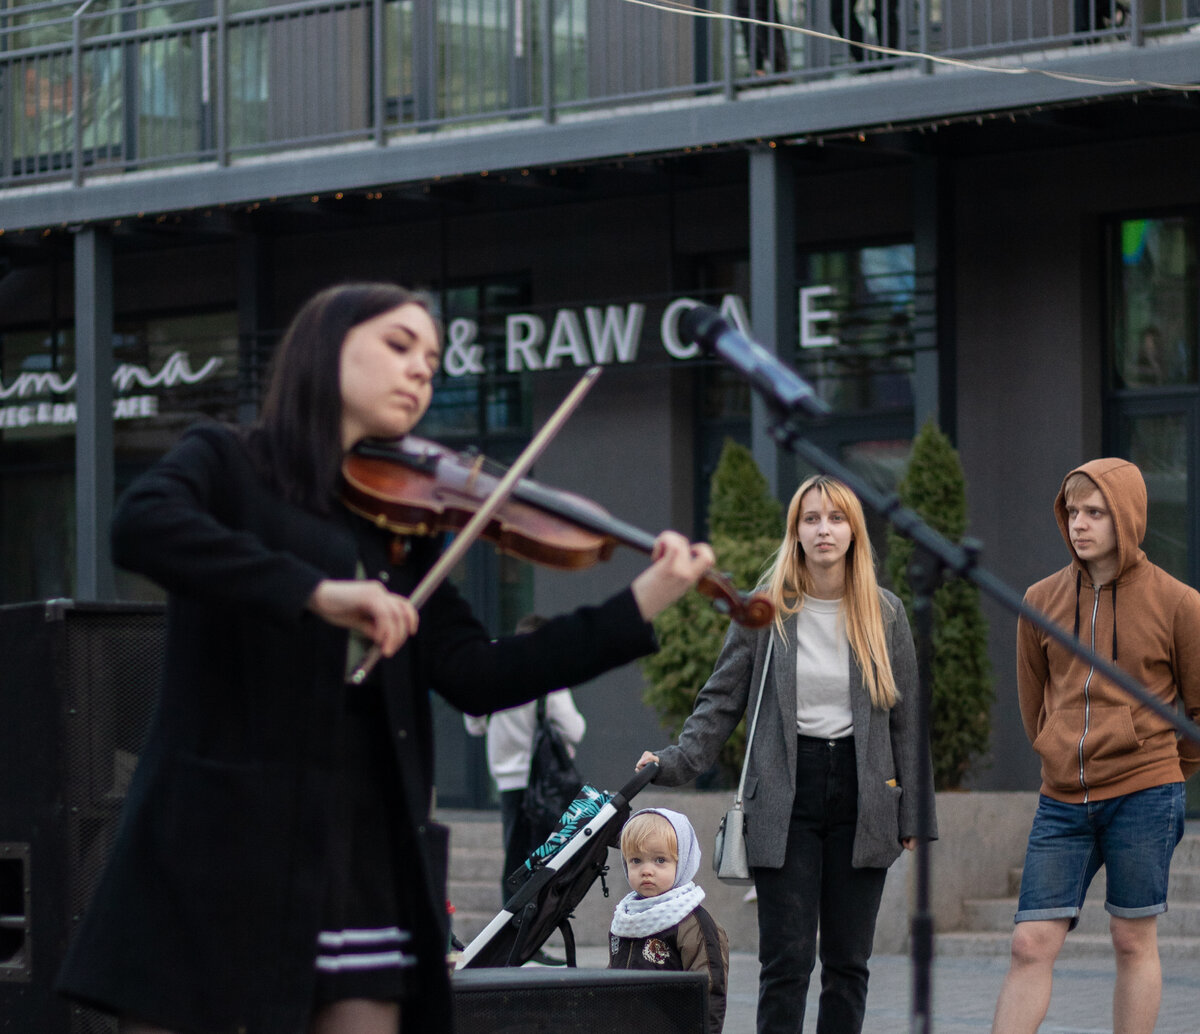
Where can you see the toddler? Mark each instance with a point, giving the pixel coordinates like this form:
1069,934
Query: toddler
661,925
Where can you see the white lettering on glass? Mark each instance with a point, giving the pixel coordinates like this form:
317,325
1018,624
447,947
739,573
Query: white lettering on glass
668,328
175,371
566,341
810,317
56,414
734,311
612,334
463,355
523,333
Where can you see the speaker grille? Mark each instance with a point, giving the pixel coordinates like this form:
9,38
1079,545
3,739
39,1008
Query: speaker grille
79,690
535,1001
112,664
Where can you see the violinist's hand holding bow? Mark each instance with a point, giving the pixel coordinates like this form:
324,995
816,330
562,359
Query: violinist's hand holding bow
384,617
677,566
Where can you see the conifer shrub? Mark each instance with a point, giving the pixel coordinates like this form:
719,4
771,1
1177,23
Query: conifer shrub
745,528
962,692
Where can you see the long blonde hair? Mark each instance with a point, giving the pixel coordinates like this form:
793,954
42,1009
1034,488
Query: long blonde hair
788,579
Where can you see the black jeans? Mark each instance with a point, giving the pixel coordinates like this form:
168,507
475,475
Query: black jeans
518,837
817,889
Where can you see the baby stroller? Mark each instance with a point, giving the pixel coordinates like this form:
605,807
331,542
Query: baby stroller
555,878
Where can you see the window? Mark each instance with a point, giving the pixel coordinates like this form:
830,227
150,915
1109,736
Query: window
168,372
1153,412
1154,286
475,406
857,315
1154,409
857,309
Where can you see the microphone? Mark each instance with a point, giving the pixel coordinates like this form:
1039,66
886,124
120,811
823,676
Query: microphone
780,386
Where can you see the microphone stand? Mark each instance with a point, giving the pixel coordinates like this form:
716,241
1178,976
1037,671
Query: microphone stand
925,574
935,559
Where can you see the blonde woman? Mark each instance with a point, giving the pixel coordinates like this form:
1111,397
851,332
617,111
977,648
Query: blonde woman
831,789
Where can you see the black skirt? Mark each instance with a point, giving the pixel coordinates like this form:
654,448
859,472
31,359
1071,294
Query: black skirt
364,947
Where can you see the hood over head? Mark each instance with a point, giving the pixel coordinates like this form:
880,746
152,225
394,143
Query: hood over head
1124,491
689,847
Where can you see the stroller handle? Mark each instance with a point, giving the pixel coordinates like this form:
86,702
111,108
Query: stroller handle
640,779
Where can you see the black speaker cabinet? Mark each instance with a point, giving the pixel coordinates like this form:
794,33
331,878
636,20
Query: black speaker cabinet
78,690
535,1000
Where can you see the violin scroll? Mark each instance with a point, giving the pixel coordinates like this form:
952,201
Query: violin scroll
748,609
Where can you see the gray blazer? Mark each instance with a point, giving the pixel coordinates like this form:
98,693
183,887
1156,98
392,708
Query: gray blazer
888,745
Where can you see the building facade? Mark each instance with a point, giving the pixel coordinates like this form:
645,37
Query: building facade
987,218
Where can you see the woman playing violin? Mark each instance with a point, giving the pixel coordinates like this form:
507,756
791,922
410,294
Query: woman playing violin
276,868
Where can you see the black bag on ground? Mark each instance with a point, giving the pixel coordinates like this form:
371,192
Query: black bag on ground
553,779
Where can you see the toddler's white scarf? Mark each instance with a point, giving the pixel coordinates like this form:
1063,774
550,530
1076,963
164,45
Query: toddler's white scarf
640,917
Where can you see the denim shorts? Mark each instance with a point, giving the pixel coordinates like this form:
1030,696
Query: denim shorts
1133,836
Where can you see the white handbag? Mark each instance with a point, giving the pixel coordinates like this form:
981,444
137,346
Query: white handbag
729,851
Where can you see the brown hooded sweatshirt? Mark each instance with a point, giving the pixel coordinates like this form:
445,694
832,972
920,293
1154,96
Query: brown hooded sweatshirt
1094,739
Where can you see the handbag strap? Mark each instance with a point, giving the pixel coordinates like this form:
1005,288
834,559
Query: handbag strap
737,803
541,709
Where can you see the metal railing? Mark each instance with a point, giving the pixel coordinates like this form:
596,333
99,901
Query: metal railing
115,86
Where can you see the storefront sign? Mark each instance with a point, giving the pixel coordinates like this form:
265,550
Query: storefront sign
177,370
596,335
587,337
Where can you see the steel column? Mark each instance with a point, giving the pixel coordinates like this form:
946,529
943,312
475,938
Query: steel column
94,411
424,44
772,288
933,377
256,316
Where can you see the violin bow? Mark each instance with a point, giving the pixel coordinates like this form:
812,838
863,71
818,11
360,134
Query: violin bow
479,521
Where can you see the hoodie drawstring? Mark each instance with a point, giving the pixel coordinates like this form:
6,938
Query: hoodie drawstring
1114,601
1078,586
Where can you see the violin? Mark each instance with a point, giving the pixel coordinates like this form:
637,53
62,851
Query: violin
418,487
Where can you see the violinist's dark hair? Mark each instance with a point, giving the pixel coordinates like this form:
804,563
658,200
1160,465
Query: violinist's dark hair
296,440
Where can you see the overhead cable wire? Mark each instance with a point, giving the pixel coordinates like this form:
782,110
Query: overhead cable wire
690,10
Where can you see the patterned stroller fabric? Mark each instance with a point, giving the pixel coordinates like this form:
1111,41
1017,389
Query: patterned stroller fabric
580,811
555,878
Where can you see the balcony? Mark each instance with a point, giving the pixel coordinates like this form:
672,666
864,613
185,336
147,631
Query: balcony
111,90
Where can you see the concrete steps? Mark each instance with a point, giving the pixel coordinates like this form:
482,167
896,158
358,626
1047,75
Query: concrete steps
476,858
987,922
976,925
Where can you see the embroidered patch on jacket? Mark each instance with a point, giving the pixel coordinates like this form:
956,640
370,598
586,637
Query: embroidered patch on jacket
614,943
655,951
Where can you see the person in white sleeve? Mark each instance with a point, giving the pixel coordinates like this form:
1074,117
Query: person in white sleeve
509,742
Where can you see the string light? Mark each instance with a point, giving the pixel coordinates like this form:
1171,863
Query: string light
858,134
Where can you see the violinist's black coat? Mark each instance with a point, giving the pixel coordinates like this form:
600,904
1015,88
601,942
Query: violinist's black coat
207,915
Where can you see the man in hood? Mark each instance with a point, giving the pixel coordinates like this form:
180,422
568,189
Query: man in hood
1112,769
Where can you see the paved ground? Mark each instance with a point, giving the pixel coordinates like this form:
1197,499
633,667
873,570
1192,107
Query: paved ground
964,995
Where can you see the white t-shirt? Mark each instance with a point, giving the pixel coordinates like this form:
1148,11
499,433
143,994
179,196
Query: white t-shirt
822,671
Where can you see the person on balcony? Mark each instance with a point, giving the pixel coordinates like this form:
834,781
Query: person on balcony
766,51
887,26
